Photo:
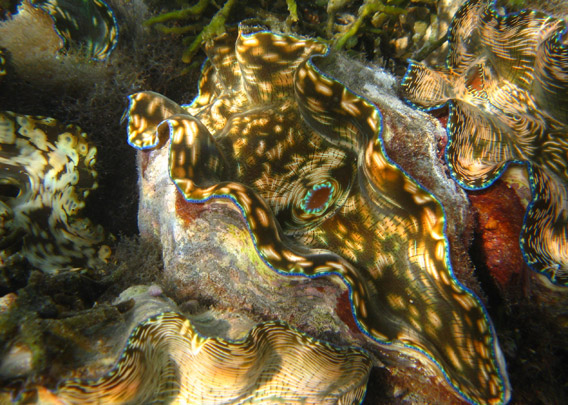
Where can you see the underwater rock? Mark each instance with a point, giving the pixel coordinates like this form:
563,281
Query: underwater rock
274,141
506,87
47,172
51,326
500,216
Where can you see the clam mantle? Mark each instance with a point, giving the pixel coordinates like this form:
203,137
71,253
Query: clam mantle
506,86
273,363
302,159
47,171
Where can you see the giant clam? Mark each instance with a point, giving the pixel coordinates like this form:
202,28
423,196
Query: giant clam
51,45
302,158
167,360
47,172
54,25
92,27
506,85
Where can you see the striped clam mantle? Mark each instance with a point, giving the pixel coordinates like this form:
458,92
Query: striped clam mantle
303,159
167,361
506,84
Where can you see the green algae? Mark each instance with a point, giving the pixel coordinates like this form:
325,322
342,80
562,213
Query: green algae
194,11
191,19
293,9
215,27
383,13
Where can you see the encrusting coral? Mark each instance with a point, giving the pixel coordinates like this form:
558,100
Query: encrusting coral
506,86
302,158
47,172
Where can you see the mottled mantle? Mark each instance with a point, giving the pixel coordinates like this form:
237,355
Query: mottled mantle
47,172
320,198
